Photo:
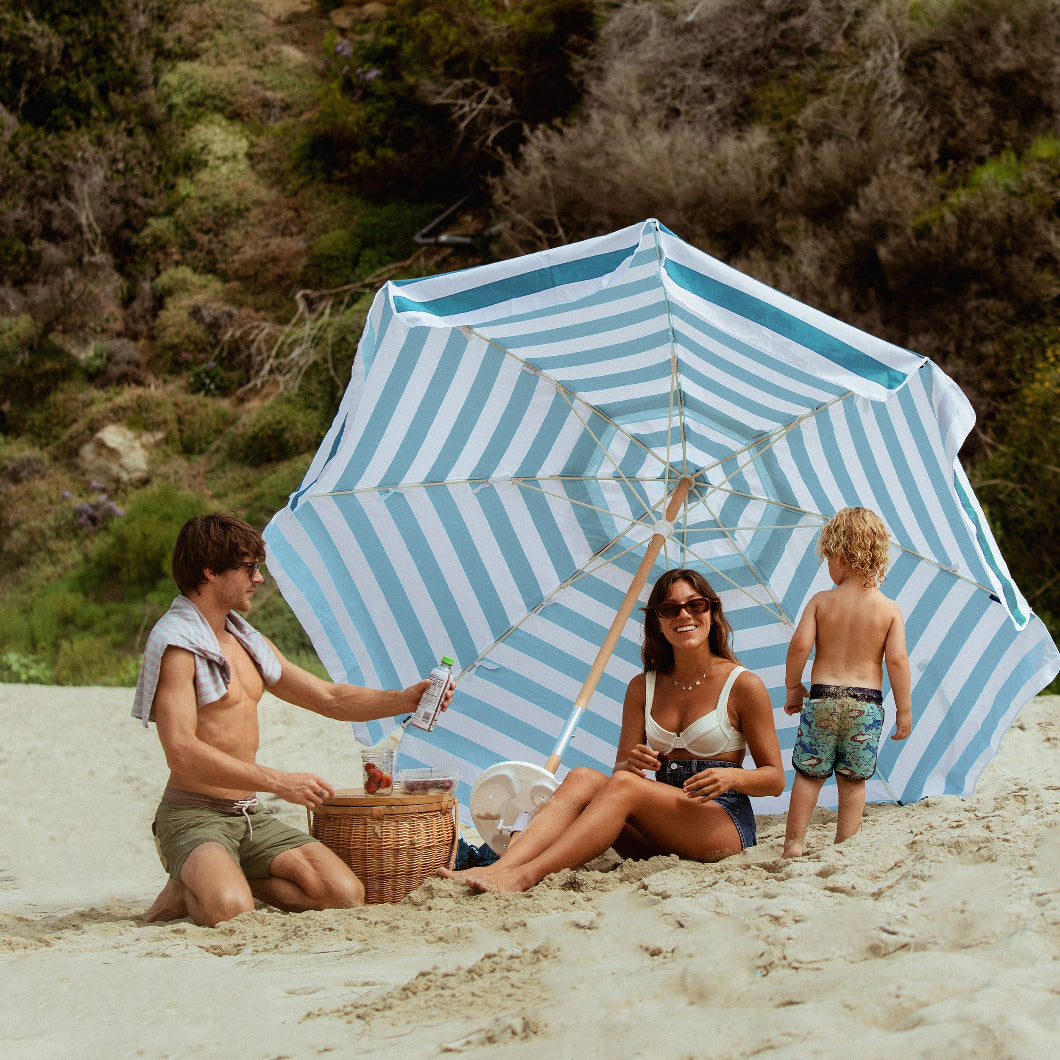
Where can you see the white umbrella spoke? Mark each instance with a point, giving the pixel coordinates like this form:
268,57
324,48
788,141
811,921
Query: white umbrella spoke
572,399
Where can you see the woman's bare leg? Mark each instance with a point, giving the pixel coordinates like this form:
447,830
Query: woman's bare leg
804,793
551,821
662,814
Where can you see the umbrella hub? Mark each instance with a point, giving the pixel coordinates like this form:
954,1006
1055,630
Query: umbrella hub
664,528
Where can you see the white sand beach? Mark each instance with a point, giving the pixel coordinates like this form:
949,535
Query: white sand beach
935,932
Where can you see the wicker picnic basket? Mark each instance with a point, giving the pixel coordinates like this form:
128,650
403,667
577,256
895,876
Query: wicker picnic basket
392,842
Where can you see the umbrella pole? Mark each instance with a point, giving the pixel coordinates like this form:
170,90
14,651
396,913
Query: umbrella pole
655,545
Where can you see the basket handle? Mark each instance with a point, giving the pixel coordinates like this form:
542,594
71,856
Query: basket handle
456,835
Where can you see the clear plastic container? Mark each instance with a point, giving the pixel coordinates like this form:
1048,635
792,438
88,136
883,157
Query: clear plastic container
378,769
426,782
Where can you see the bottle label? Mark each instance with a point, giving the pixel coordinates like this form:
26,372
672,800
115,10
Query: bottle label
431,701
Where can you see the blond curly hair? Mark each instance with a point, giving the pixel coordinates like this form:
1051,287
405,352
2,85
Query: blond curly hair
858,538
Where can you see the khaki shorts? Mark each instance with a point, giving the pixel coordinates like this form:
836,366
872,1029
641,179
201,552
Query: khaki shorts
252,840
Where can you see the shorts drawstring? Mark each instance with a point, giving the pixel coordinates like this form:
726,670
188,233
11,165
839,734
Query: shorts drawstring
245,806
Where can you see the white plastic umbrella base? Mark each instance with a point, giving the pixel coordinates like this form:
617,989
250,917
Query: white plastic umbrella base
505,797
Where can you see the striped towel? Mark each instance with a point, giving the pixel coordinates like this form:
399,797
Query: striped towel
185,626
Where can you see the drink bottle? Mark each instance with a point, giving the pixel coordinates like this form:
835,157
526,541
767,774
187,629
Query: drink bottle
431,700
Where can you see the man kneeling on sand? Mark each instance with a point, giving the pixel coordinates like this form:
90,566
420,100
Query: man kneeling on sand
203,674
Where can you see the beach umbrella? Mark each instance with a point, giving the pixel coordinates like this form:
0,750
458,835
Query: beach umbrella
520,440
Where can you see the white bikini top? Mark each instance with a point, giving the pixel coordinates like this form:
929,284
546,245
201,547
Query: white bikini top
706,736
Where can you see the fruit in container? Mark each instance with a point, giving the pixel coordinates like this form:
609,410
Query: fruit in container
378,772
426,781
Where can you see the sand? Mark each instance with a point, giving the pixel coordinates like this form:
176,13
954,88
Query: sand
935,932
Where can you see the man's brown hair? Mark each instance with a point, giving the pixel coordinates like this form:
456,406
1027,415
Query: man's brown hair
213,542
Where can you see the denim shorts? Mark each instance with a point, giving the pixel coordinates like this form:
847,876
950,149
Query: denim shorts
676,771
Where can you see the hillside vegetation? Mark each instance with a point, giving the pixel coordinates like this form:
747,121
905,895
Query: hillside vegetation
198,199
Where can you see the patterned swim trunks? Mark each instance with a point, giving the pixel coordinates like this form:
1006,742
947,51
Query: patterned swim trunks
840,734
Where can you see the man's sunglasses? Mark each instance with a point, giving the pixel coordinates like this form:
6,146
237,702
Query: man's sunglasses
250,568
671,608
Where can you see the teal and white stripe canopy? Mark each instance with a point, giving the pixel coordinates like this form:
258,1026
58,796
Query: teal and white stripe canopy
507,445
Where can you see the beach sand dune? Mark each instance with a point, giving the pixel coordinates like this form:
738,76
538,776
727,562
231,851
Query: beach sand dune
934,932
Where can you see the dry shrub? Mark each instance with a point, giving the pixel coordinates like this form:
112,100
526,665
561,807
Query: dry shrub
667,126
611,171
985,74
846,152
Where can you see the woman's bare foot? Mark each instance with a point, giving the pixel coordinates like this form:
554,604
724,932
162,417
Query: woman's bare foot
792,850
169,905
464,874
502,881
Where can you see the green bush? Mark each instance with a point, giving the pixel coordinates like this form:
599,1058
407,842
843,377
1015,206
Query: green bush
200,422
1017,481
333,259
382,234
132,554
18,668
427,99
182,341
32,366
92,660
193,90
66,64
257,495
324,382
283,428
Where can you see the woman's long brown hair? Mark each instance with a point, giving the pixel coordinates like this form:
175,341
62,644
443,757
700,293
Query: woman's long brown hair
657,653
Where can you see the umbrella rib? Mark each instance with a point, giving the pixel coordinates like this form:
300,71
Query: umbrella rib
778,612
584,571
514,479
743,555
675,389
567,395
528,484
943,567
773,438
572,398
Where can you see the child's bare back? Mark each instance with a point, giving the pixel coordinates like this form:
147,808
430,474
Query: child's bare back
853,624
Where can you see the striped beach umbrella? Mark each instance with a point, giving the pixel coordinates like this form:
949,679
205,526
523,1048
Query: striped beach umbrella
506,454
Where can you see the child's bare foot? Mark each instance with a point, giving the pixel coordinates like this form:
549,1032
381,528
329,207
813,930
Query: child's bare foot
792,850
169,905
502,881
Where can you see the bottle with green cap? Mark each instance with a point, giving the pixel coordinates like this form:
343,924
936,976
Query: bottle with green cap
431,700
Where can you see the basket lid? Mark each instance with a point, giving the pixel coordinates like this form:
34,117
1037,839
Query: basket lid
351,798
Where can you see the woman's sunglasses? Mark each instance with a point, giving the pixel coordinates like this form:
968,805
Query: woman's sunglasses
671,608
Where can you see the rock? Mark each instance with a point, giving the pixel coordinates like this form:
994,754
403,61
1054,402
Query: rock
117,456
121,365
216,317
285,10
348,18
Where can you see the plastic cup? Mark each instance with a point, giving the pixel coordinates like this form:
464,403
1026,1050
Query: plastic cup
378,769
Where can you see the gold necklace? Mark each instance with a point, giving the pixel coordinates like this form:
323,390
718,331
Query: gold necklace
702,677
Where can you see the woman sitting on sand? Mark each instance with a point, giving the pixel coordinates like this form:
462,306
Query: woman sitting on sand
689,717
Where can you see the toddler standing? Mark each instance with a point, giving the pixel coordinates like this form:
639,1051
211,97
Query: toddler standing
853,630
